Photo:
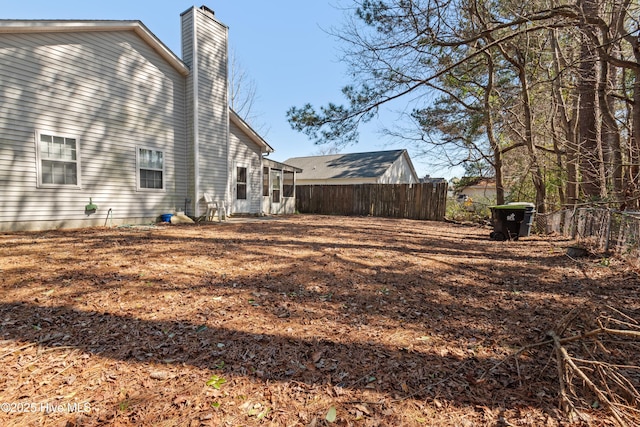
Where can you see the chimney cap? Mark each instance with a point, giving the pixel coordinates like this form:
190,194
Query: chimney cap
207,10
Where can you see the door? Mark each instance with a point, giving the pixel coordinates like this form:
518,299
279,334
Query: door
241,189
276,190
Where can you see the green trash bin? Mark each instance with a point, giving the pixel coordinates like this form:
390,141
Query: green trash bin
529,216
511,221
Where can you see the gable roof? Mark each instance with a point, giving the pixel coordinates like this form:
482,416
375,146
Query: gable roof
344,166
74,26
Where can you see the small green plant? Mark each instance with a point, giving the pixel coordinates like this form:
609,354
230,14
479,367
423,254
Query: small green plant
467,212
216,382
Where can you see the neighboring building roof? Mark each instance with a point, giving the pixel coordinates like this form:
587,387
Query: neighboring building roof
477,183
248,130
345,166
71,26
429,180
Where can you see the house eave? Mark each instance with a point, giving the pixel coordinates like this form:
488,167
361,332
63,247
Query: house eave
279,165
252,134
74,26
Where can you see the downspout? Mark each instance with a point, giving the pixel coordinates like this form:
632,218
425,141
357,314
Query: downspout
196,120
227,128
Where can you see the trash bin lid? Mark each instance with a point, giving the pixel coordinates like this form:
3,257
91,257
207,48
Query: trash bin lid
514,206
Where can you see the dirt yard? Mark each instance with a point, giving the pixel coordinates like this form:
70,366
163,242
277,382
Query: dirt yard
303,321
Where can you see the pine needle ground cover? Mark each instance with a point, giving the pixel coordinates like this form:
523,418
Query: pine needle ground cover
312,321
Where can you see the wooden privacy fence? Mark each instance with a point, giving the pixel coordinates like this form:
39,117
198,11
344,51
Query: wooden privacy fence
414,201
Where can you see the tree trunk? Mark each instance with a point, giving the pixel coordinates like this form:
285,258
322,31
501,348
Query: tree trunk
558,152
632,192
536,170
570,198
588,144
537,176
495,146
610,131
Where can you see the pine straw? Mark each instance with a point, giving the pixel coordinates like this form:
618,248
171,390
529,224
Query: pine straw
594,368
390,322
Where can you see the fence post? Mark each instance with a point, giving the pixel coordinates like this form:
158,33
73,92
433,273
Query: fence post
607,232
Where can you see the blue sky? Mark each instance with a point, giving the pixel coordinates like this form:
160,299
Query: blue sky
282,45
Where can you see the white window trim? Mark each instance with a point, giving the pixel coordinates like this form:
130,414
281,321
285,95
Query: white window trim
164,170
247,183
39,159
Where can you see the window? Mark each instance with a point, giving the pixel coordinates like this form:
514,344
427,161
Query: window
150,169
288,188
241,183
275,186
265,181
58,161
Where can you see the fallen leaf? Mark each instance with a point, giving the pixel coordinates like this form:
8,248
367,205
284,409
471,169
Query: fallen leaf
180,399
331,415
363,409
317,356
159,375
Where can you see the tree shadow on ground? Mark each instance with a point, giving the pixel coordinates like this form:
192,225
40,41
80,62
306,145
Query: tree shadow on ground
405,313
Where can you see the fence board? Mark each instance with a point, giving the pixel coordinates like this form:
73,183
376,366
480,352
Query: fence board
607,229
416,201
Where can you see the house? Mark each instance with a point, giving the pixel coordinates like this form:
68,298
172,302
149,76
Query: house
430,180
99,119
378,167
479,190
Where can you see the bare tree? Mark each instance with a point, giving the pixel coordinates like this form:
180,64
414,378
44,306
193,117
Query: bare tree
243,94
524,98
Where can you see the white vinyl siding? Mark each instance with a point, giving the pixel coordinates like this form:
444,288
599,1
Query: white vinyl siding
111,91
243,150
400,172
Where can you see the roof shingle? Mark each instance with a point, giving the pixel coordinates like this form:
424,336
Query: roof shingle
342,166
